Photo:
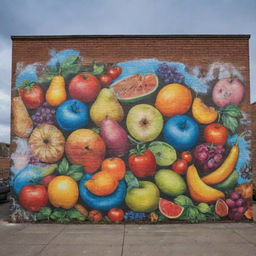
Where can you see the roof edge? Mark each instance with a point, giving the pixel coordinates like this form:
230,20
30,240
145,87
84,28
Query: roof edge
160,36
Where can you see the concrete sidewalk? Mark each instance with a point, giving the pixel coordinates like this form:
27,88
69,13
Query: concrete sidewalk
214,239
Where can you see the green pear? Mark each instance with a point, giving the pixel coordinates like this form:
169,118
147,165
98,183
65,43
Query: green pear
106,106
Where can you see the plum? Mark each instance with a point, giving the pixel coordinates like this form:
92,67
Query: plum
228,91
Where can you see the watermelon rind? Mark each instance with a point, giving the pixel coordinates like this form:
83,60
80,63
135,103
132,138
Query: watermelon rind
137,98
169,216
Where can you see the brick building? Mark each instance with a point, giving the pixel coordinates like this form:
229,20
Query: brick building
203,56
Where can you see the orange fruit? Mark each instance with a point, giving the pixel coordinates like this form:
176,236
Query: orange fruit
174,99
63,192
115,166
102,184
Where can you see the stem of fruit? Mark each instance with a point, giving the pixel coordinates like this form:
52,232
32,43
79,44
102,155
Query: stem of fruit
133,141
239,136
26,85
219,116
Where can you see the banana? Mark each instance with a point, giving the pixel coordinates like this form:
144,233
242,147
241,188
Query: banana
225,169
200,191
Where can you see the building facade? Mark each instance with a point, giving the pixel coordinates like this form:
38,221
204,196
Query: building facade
131,129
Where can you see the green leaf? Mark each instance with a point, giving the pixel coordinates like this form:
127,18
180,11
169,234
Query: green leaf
230,123
75,168
98,69
96,129
63,166
46,211
201,217
81,218
74,214
77,176
63,220
58,214
70,60
106,219
45,79
69,70
232,110
183,201
131,180
193,214
162,218
40,216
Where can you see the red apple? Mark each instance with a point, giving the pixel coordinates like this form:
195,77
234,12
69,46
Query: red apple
228,91
84,87
85,147
216,134
47,179
33,197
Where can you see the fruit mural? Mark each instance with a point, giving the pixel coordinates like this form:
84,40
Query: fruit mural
135,141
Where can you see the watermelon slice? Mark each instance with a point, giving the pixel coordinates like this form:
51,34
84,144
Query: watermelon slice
170,209
136,87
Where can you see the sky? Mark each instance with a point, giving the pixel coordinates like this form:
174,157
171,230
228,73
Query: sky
82,17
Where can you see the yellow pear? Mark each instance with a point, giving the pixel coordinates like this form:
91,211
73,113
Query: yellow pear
22,125
56,93
106,106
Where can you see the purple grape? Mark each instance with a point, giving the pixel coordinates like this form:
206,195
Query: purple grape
202,156
235,209
231,215
208,156
241,209
230,203
211,153
240,202
44,114
234,195
217,158
237,216
211,163
169,74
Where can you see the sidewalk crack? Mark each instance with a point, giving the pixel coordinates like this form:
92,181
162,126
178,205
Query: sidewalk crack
244,237
58,233
123,242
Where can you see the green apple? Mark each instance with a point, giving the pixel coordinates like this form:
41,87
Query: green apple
144,122
145,198
170,182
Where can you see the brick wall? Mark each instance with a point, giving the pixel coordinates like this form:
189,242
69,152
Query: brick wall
191,50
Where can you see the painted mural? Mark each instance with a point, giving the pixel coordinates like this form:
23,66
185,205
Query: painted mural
145,141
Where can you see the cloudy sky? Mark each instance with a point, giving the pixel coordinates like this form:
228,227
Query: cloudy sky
53,17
